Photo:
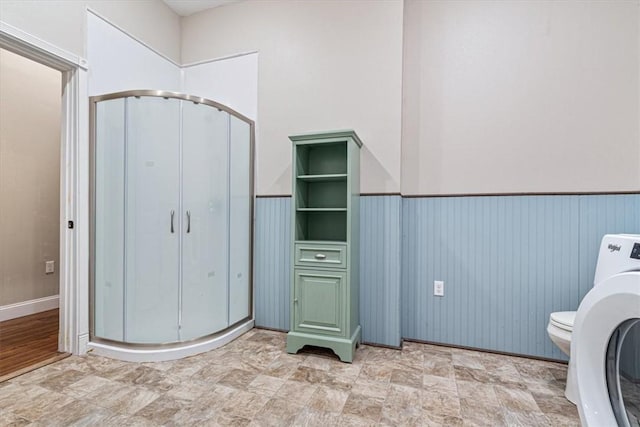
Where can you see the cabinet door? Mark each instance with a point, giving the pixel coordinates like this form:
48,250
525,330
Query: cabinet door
319,301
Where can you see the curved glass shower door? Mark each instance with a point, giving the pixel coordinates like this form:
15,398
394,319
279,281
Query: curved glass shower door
240,235
172,209
205,208
109,196
152,231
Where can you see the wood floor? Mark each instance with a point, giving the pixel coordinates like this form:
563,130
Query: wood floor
28,342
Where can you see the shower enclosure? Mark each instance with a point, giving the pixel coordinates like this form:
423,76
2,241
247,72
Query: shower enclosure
172,208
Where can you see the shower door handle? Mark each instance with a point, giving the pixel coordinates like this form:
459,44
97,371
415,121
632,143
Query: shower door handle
172,215
188,221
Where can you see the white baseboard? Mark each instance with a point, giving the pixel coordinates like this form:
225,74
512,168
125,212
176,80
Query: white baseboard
83,344
20,309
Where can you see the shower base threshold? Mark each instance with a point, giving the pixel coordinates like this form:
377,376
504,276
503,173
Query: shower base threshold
131,353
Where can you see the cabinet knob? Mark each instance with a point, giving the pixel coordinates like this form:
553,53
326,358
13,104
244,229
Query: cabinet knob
320,256
295,300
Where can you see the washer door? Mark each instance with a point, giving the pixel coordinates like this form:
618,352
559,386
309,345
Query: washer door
605,319
623,373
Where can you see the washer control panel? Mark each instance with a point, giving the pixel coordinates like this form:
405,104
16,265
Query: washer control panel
619,253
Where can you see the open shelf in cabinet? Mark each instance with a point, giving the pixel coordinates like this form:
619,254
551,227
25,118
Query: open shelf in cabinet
321,225
322,159
321,194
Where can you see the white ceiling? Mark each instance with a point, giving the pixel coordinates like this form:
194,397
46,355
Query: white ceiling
189,7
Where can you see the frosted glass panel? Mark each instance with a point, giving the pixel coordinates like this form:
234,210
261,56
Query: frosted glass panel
172,241
152,250
109,220
240,220
204,247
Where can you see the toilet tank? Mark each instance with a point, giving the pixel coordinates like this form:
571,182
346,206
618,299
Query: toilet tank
618,253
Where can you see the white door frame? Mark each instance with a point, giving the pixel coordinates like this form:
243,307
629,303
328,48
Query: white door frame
74,182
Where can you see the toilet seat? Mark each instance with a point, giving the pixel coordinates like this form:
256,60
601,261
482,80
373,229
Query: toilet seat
560,330
563,320
600,313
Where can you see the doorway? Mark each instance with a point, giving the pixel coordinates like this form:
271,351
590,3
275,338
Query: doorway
30,159
73,220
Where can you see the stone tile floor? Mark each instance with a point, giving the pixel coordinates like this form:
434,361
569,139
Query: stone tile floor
253,381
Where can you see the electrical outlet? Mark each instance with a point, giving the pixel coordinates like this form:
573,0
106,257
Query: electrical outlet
49,267
438,288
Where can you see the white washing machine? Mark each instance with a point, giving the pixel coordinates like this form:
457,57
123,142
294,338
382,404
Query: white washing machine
605,345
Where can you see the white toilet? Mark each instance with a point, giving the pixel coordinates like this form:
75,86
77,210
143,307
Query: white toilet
617,255
560,328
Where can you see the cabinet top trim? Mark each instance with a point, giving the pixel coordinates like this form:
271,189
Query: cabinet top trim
330,135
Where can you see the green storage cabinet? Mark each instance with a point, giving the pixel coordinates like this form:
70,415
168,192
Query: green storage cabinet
326,211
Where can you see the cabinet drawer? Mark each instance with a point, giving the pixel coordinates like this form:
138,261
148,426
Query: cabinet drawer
318,254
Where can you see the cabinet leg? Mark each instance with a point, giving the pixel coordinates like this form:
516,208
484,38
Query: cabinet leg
294,345
343,348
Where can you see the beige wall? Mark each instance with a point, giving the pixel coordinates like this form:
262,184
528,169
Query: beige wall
322,65
30,105
498,96
63,22
513,96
